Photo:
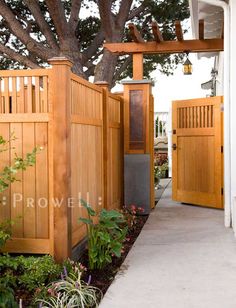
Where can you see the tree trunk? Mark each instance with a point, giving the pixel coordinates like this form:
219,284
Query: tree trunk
105,69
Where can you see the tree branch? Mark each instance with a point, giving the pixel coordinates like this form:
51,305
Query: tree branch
16,28
123,12
92,49
106,18
11,54
43,25
74,14
137,11
123,67
57,13
90,71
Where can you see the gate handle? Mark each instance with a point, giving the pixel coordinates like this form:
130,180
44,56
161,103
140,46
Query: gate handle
174,146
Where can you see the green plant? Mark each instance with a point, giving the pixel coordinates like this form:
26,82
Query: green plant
28,273
157,174
163,168
105,238
70,291
5,232
7,298
37,271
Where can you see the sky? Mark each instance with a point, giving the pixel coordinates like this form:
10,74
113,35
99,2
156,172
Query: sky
180,86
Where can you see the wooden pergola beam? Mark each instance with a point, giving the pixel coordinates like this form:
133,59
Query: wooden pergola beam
136,35
156,32
207,45
201,29
178,31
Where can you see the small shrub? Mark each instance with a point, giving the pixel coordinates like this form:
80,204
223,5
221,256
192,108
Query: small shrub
27,273
105,238
37,271
70,290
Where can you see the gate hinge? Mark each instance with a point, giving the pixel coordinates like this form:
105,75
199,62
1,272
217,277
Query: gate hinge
174,131
222,191
222,149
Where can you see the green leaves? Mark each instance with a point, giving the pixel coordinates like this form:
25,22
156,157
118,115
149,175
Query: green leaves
27,272
8,174
86,220
5,232
89,209
105,238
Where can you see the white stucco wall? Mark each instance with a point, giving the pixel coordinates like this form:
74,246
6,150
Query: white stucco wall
233,106
220,77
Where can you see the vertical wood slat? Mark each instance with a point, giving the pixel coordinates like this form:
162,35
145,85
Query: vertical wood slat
37,96
29,92
1,99
191,117
205,116
17,214
21,105
29,183
14,95
41,167
212,116
6,95
4,161
187,118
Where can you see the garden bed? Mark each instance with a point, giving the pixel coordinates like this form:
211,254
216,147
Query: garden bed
30,275
102,279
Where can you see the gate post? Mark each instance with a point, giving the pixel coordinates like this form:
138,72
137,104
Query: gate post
105,86
60,100
138,144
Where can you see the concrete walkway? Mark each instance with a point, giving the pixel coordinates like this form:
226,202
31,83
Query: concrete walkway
183,258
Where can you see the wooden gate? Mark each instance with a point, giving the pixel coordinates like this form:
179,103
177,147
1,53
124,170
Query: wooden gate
197,152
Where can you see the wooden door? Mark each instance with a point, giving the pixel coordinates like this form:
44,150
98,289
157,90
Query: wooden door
197,152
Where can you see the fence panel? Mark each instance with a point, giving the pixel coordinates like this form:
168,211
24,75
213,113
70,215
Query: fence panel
24,119
115,153
86,151
32,111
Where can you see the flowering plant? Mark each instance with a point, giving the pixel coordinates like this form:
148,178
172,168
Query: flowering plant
130,213
71,290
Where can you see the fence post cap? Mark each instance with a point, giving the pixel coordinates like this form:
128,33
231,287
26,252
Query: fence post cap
60,61
103,84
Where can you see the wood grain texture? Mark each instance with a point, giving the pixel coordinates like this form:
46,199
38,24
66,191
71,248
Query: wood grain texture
197,161
207,45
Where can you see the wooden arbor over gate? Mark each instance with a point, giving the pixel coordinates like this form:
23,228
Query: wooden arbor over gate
139,47
135,93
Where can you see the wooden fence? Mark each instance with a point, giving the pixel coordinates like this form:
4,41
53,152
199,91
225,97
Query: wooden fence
79,126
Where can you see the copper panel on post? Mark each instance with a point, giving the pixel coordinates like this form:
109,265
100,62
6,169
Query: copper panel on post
137,127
